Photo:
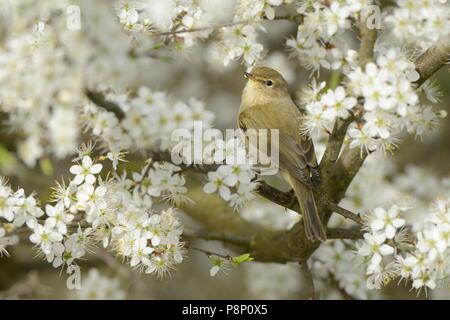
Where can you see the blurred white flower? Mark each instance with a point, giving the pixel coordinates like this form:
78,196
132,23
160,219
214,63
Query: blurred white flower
96,286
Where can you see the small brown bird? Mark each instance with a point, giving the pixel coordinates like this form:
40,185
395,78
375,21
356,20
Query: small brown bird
267,104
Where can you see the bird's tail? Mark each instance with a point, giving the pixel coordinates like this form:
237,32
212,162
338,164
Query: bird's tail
313,225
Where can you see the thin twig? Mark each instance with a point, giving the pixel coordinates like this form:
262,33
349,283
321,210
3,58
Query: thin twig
345,213
146,171
285,199
224,25
99,99
210,253
297,18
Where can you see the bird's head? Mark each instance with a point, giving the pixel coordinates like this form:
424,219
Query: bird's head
264,85
267,78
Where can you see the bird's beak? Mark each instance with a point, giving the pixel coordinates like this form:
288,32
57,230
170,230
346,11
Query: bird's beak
250,76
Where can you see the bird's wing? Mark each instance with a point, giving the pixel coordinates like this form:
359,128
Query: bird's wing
296,152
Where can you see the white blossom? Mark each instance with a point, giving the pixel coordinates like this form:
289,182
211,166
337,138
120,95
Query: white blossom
86,171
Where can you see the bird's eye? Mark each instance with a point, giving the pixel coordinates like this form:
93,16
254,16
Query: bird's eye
269,83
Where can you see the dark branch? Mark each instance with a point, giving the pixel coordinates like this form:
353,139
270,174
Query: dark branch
211,236
336,139
339,233
99,99
345,213
309,279
285,199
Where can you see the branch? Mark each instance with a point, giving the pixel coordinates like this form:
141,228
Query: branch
431,61
336,175
345,213
210,253
296,18
175,32
368,39
284,199
99,99
166,156
335,140
147,169
339,233
265,245
309,279
210,236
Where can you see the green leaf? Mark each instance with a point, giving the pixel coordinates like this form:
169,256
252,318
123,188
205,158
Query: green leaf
215,260
242,258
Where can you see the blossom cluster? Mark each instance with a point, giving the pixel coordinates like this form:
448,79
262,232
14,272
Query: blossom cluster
233,180
378,243
323,109
97,286
240,41
391,103
319,38
259,9
45,67
389,251
419,23
165,16
120,211
116,212
389,234
59,236
427,264
150,117
162,180
333,266
381,96
185,22
35,90
16,209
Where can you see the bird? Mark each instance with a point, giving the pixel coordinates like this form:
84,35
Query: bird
267,104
